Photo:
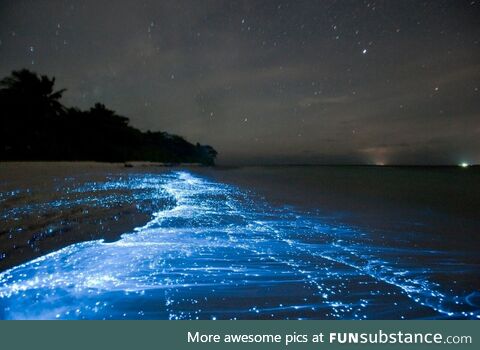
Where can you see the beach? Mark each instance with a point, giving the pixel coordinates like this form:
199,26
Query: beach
103,241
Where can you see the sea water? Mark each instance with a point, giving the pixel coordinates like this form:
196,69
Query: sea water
217,251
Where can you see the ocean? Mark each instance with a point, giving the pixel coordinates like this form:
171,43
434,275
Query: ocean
100,241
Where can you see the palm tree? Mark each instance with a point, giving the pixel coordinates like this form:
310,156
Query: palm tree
31,116
27,89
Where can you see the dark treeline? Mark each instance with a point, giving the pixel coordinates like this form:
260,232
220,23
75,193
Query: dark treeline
35,125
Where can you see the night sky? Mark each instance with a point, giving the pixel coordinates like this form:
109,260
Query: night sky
393,82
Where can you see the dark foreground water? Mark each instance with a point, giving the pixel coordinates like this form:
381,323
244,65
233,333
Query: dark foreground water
213,250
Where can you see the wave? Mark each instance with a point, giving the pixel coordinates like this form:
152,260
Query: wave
218,252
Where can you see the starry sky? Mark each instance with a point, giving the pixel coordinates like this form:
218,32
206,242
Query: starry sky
369,82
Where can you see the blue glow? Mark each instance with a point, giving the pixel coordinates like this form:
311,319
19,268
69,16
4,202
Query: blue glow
216,252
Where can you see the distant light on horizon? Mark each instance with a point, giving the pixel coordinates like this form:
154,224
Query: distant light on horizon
464,165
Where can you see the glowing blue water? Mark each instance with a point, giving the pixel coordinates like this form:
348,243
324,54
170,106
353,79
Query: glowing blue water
219,253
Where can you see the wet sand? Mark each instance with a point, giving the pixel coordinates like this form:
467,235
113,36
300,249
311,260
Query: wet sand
42,210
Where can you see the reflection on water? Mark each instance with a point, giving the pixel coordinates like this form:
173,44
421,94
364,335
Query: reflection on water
217,252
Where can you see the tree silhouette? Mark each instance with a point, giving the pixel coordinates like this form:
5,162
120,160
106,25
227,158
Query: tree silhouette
38,91
36,126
